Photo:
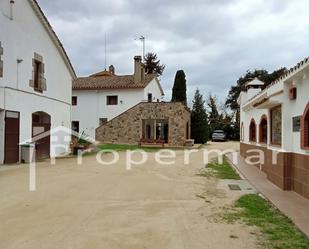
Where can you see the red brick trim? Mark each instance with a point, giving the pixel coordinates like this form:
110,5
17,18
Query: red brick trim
305,129
252,133
263,119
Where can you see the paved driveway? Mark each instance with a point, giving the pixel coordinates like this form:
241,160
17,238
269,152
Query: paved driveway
94,206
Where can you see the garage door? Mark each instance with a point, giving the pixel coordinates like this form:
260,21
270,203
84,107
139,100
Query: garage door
11,140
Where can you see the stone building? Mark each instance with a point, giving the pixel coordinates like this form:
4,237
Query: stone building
169,122
275,121
108,94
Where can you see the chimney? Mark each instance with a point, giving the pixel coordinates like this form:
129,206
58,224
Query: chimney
12,9
253,87
139,70
111,69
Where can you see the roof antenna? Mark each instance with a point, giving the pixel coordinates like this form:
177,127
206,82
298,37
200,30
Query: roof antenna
105,50
142,39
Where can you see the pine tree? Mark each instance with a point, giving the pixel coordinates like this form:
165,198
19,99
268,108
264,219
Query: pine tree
180,88
199,123
214,117
152,64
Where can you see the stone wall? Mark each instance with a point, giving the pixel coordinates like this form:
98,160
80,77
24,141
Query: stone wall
127,127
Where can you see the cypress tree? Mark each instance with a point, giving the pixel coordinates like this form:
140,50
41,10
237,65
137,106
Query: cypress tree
180,88
199,122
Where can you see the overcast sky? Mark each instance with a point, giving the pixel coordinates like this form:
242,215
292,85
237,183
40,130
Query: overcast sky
214,42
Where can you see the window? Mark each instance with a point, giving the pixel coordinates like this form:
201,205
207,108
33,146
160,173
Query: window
36,78
103,121
276,123
305,129
38,82
252,131
242,131
75,126
74,100
263,130
112,100
1,62
149,97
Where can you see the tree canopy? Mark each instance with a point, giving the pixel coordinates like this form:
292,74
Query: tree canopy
179,91
153,65
262,75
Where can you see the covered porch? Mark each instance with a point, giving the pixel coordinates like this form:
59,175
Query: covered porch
155,130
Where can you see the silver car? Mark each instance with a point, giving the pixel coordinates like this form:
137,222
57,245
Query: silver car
218,135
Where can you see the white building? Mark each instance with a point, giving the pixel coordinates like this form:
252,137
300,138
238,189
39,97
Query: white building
35,80
102,96
276,119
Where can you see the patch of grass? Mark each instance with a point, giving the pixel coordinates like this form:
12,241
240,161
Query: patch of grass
224,170
279,230
124,147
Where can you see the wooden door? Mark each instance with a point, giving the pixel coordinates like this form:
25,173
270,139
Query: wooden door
40,127
11,140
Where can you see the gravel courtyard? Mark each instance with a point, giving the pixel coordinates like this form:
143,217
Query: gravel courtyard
94,206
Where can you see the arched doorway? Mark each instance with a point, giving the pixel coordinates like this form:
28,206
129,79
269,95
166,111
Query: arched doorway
305,129
40,126
263,130
252,131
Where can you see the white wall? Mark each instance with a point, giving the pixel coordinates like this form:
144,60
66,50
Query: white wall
293,108
91,104
153,88
291,141
21,38
246,117
1,136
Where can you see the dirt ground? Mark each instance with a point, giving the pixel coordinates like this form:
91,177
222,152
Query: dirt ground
94,206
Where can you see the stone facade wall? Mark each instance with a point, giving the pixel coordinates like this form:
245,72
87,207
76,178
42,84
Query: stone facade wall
127,127
291,171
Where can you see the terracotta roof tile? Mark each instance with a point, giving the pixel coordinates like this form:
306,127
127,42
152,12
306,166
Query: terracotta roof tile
110,82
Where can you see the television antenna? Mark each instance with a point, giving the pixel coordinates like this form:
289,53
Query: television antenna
142,39
105,51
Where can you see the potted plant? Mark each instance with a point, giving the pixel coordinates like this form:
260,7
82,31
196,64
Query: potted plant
79,143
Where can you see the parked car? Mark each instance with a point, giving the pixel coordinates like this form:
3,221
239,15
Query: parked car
218,135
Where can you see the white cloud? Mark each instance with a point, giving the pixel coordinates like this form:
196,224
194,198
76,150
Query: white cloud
213,41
